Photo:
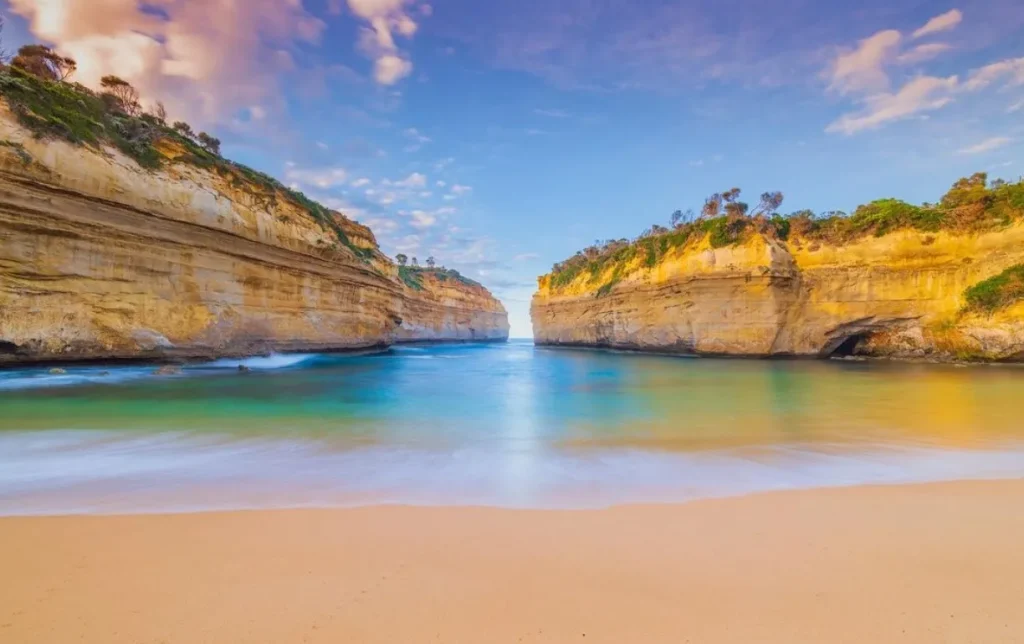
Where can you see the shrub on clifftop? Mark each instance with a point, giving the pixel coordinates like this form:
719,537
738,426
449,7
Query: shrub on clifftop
971,205
43,62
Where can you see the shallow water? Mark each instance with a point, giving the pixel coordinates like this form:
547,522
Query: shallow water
492,424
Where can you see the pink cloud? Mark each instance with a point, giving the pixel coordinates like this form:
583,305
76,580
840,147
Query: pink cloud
204,59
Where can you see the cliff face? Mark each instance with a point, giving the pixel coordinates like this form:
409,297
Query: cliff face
899,295
101,259
448,309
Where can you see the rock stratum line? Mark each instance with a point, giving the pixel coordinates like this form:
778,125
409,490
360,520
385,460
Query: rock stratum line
103,259
898,295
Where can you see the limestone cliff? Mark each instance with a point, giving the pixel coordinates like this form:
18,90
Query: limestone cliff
440,306
899,294
103,259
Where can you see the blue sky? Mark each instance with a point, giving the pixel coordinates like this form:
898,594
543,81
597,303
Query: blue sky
502,136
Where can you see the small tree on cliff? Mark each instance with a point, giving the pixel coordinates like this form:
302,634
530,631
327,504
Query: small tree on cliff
712,206
415,262
160,112
402,259
4,54
680,218
211,144
184,129
123,95
770,203
431,262
733,206
41,61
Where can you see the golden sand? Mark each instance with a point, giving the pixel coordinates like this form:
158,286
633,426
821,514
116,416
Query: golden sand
930,563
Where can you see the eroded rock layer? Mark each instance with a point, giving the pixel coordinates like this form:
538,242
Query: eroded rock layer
101,259
899,295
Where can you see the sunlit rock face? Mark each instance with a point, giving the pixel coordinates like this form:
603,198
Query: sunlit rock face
101,259
900,295
450,310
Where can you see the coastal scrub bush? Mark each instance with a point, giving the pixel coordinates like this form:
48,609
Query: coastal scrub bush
43,62
412,276
997,292
971,205
886,215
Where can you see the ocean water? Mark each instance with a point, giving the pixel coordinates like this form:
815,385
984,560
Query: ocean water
491,424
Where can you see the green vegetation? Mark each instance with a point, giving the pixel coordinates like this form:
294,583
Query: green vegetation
997,292
973,204
412,276
19,149
36,88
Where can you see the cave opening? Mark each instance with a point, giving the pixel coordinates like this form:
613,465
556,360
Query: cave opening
849,346
8,348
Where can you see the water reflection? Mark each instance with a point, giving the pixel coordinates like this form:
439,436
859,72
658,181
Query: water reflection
503,423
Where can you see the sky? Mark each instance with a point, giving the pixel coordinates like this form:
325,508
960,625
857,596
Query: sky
501,136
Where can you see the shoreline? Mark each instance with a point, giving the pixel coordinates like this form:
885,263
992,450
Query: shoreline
615,506
777,357
911,563
165,358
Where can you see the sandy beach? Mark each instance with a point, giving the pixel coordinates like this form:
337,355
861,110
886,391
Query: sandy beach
927,563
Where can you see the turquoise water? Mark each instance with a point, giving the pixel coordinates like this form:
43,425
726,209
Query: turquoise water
494,424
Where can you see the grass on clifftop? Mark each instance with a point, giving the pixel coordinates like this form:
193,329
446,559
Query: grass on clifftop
412,276
74,113
973,204
997,292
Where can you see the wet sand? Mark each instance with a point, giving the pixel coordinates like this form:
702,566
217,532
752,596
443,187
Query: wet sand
926,563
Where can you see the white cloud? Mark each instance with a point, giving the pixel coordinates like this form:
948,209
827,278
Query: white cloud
985,146
1016,107
441,164
862,74
338,204
441,184
698,163
1011,68
417,136
414,180
422,219
554,113
390,68
361,182
419,139
922,53
458,191
322,145
944,22
377,41
408,244
381,225
525,257
862,69
922,94
322,178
